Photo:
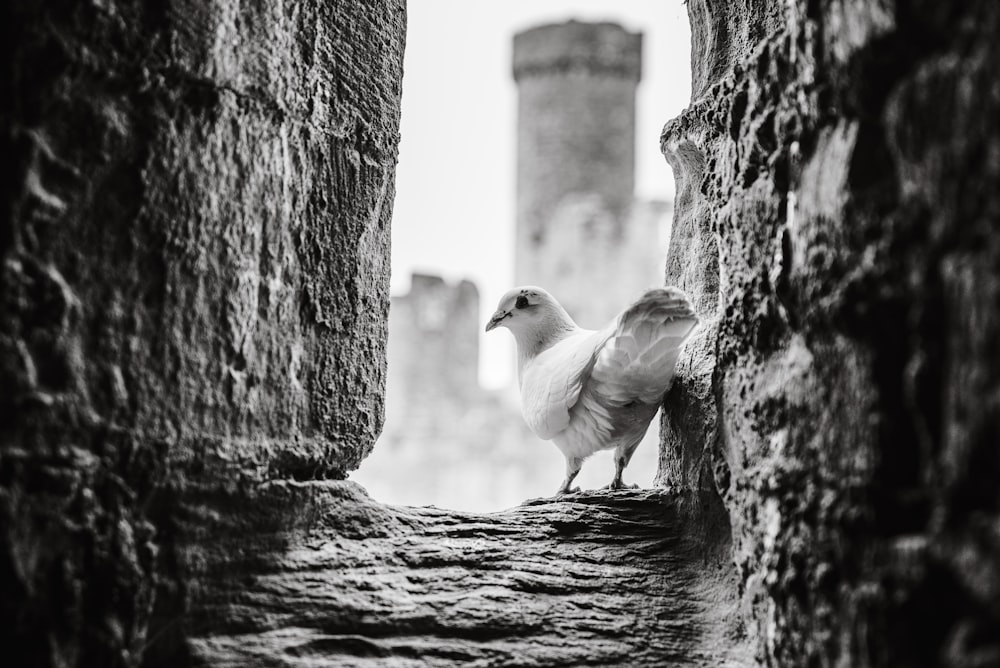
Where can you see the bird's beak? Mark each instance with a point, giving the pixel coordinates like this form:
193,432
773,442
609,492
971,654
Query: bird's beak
497,318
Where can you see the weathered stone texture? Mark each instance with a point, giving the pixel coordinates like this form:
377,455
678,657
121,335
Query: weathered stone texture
319,573
194,237
839,195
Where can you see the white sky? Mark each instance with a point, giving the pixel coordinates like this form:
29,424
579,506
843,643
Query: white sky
454,212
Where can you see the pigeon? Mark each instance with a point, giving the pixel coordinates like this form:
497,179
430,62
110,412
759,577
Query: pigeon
589,390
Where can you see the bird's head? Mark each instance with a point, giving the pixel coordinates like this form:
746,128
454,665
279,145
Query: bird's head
530,312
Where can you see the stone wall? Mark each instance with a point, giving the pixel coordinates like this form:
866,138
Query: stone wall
836,221
194,289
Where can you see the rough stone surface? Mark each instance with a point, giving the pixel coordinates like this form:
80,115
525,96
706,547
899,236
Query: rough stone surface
196,203
837,221
316,572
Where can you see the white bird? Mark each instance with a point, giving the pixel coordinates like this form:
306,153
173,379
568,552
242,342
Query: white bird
591,390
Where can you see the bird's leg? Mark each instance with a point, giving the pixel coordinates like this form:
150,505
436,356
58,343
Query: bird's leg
573,465
623,455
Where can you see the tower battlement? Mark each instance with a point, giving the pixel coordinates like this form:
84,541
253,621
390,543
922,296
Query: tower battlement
597,48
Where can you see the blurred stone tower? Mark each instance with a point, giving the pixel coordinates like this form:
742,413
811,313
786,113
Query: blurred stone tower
580,234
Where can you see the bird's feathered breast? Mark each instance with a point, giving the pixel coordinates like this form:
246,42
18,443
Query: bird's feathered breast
551,381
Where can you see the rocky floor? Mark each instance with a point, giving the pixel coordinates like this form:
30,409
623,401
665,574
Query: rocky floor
628,578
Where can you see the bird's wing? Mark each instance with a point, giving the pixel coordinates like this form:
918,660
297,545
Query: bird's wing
636,363
551,382
632,368
632,359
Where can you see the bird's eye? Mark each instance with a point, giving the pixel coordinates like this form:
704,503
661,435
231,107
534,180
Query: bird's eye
522,302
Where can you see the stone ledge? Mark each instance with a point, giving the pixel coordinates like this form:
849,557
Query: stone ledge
318,571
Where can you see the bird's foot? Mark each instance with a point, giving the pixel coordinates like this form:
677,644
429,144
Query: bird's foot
618,484
566,490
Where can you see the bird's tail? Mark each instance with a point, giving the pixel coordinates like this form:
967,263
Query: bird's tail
647,341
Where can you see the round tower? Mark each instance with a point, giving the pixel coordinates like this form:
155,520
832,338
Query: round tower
576,128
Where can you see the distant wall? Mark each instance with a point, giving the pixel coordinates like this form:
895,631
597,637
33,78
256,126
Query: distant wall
194,286
433,354
836,222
